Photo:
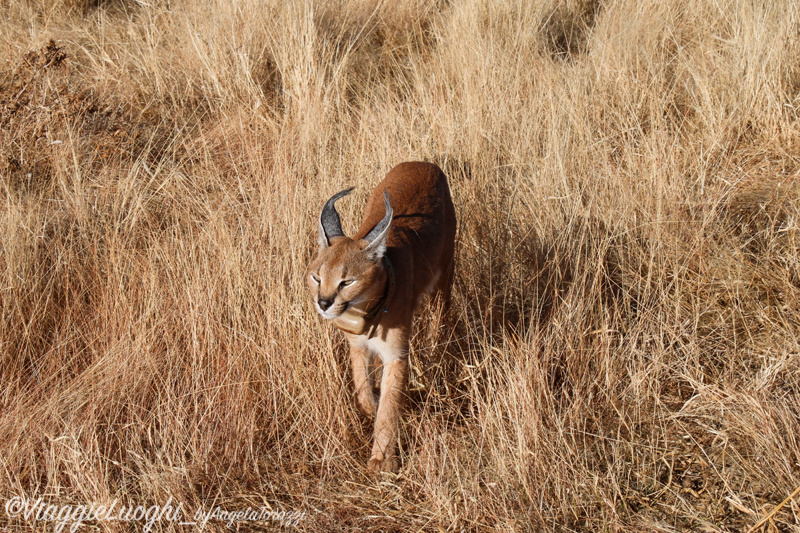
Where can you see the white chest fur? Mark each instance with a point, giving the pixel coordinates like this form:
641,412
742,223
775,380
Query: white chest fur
386,350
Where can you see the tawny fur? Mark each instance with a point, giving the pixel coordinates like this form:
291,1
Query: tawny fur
420,245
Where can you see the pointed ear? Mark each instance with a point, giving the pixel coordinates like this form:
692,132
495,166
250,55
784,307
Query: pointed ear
329,223
377,235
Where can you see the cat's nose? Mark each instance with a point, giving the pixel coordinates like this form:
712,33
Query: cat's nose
324,304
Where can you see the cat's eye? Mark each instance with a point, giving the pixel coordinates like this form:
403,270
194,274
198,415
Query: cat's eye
315,278
346,282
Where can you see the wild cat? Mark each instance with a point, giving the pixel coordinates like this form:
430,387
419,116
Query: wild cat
371,284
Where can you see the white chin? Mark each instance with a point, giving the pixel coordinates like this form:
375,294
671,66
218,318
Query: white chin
327,315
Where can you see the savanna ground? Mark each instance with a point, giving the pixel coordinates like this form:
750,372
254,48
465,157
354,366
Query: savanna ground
621,353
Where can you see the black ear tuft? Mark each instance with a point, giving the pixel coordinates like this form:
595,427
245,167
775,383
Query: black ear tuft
377,235
329,223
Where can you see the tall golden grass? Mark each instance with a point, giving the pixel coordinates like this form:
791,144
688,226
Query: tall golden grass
621,352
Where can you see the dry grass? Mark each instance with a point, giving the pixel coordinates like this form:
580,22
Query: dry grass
622,351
